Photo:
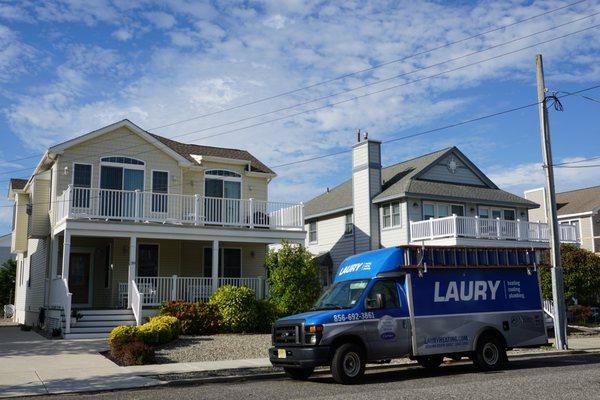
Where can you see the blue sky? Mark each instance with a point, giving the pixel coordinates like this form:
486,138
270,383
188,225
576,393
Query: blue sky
71,66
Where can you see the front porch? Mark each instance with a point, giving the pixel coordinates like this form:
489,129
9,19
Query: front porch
95,266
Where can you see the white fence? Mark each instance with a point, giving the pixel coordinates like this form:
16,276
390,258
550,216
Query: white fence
483,228
156,290
76,202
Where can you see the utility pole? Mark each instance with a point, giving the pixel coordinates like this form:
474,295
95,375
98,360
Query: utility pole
558,294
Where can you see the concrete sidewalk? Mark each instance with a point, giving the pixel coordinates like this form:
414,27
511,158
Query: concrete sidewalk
31,364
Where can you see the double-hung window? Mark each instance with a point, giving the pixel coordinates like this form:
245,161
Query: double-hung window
391,215
349,228
312,232
160,190
82,182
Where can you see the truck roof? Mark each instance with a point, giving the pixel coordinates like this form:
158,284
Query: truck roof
368,265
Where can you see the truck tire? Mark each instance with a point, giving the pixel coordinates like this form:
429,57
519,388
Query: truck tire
299,374
489,354
348,364
430,362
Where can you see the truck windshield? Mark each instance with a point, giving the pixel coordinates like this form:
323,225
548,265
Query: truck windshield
341,295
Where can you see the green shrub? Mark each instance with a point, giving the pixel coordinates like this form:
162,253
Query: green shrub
293,279
159,330
195,318
237,307
266,314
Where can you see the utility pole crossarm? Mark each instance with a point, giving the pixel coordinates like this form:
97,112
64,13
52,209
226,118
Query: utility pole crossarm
558,294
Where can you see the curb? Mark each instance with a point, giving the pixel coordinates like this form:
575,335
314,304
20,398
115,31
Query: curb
325,371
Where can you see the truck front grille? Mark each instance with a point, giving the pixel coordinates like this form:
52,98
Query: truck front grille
286,334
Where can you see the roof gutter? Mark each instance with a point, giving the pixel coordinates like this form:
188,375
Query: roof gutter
463,199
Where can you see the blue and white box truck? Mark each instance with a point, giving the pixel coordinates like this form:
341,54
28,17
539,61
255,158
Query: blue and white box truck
386,304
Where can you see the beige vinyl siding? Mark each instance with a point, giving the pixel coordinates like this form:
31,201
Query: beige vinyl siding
537,196
441,172
120,256
397,235
19,235
40,218
587,240
331,238
30,287
120,142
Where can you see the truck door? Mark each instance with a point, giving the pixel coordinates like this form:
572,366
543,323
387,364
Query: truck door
388,334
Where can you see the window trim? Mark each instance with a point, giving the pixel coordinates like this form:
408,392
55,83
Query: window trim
166,203
310,231
351,223
436,213
137,257
492,208
118,164
237,178
391,209
73,174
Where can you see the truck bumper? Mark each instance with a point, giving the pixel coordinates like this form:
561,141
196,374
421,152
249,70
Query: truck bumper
300,356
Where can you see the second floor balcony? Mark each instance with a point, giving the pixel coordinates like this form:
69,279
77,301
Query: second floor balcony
165,208
487,229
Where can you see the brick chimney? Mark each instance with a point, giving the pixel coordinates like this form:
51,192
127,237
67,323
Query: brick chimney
366,184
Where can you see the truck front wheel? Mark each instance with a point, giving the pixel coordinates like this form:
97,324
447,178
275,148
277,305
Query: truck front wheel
489,354
348,364
299,374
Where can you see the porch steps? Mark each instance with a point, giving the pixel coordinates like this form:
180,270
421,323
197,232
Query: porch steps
97,324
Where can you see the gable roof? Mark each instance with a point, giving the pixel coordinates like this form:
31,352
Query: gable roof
186,151
180,151
578,201
401,180
17,183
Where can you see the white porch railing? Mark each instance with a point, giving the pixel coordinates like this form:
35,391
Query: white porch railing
156,290
61,298
548,307
483,228
136,302
138,206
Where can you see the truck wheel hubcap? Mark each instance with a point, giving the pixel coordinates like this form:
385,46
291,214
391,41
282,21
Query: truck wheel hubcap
490,353
351,364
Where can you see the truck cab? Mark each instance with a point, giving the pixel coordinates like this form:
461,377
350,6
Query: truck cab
368,315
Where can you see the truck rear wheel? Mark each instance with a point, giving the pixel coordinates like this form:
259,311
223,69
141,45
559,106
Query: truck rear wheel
299,374
348,364
430,362
490,354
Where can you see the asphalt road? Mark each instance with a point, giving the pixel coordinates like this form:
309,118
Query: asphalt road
550,377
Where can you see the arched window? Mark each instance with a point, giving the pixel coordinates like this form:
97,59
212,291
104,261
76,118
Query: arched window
223,172
121,160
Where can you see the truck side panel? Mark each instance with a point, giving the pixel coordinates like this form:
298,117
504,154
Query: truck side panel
453,306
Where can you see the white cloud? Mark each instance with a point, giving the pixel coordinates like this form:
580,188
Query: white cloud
15,55
122,34
275,21
531,175
160,19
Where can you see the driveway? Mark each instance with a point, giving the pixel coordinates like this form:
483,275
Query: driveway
31,364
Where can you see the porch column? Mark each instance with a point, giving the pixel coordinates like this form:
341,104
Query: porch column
215,265
66,255
132,269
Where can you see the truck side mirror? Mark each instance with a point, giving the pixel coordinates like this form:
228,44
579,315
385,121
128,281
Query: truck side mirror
377,303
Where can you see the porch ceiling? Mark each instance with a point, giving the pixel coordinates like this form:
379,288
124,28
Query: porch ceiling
176,232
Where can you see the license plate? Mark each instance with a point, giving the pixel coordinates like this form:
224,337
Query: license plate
281,353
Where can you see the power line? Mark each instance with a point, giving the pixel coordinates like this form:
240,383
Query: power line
578,166
577,161
349,74
367,69
429,131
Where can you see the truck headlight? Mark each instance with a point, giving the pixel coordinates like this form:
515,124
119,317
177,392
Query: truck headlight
313,334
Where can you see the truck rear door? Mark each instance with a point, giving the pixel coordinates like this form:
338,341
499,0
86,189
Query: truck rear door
388,332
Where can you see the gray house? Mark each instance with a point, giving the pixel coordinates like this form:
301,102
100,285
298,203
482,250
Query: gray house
440,199
5,253
579,208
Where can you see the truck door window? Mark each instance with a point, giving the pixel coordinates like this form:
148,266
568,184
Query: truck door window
388,290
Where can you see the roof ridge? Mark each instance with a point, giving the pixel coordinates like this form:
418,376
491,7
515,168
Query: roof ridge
421,156
194,144
576,190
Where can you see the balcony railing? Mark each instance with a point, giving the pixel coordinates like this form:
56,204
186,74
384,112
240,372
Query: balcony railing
156,290
138,206
482,228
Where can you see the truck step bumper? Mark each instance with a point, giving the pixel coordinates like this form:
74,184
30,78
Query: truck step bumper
300,356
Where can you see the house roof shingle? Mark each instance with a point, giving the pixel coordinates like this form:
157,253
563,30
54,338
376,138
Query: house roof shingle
186,150
398,181
578,201
17,183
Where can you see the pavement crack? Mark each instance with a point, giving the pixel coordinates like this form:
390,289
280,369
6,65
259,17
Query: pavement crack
43,383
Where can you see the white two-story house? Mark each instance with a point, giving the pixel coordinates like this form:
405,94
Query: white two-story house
119,220
438,200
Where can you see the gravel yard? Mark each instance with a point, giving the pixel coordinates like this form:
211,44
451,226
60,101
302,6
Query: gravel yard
214,348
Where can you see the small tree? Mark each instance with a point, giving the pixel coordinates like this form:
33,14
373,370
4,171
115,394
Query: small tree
581,270
293,279
8,273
